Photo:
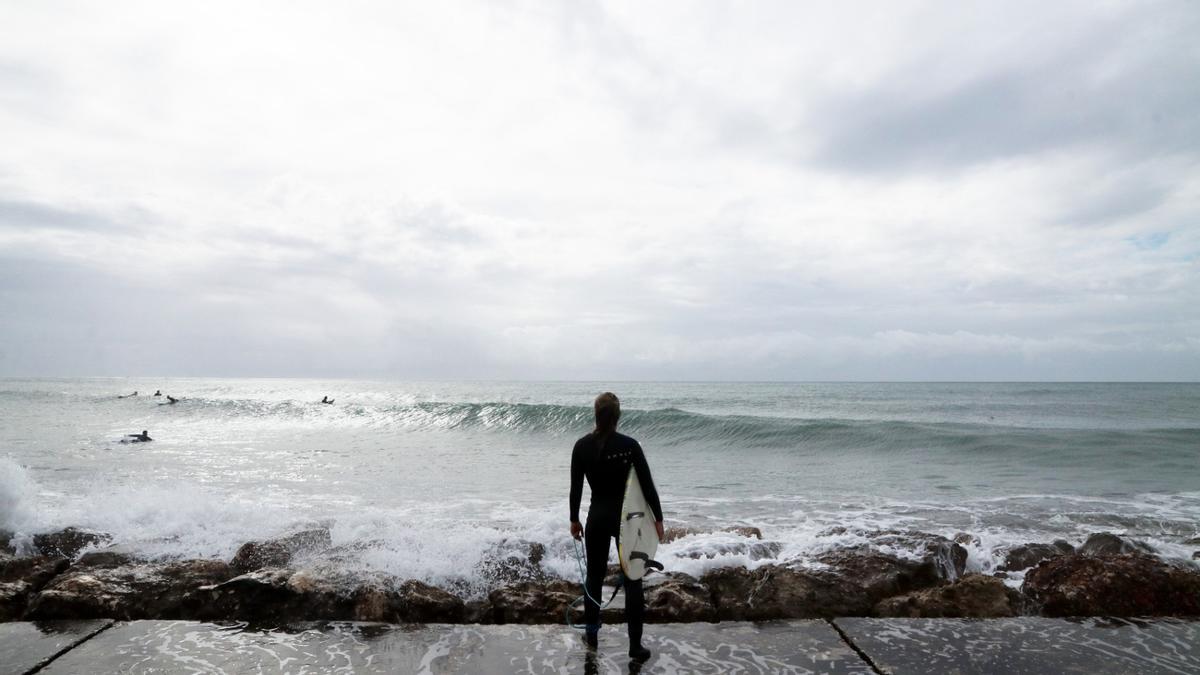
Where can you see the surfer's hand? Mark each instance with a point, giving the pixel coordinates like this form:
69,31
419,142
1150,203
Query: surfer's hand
577,529
659,529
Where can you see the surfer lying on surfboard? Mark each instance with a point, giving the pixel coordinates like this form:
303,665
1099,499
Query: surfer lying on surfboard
605,457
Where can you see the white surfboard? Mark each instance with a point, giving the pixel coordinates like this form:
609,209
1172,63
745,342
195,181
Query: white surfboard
638,541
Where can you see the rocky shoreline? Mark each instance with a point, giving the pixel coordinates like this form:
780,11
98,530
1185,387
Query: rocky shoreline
1108,575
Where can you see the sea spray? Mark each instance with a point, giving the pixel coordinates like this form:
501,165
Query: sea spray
18,492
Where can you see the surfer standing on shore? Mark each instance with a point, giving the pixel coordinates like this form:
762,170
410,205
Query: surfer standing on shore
604,457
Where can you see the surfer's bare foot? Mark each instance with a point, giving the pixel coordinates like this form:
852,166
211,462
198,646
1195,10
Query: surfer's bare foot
639,653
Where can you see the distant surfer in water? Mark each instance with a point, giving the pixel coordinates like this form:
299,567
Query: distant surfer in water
326,399
158,392
171,400
604,457
138,438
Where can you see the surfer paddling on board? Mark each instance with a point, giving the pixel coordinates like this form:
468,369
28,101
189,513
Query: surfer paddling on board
604,457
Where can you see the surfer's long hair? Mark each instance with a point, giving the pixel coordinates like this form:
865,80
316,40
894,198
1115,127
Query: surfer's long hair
608,411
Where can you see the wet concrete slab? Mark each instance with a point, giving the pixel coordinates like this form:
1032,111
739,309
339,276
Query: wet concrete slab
894,646
24,646
1027,645
179,646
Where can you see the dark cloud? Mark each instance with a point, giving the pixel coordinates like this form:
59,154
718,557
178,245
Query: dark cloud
25,215
1122,198
1130,85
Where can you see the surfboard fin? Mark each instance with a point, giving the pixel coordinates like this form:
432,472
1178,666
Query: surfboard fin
646,561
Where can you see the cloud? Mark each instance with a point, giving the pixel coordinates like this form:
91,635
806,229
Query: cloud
601,190
1121,81
31,216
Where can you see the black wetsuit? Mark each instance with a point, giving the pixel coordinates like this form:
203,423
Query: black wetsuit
606,465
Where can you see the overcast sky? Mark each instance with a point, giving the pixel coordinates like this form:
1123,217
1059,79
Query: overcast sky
700,190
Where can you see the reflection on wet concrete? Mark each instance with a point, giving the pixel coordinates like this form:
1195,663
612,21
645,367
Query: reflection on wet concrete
178,646
25,646
1027,645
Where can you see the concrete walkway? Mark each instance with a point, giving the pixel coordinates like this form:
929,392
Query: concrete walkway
869,646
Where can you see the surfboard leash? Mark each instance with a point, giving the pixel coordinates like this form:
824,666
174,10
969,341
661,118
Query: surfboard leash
586,594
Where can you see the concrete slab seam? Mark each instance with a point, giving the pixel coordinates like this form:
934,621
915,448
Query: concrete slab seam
50,659
857,650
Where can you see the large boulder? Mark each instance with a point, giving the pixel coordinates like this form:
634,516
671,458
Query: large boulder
1025,556
255,555
279,596
276,595
670,534
679,598
777,592
1113,585
529,602
973,596
880,575
512,561
966,539
68,542
1106,543
921,557
117,588
754,550
20,578
409,602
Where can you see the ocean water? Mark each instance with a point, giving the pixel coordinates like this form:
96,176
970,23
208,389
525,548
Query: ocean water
427,480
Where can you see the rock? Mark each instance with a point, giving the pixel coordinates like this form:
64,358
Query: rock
1113,585
510,562
125,591
530,602
20,578
36,570
776,592
67,542
973,596
1105,543
254,555
752,550
670,534
277,595
746,531
1196,555
6,546
1027,555
879,575
476,611
411,602
679,597
14,596
106,559
936,556
966,539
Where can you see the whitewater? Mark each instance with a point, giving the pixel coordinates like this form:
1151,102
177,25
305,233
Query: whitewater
429,480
